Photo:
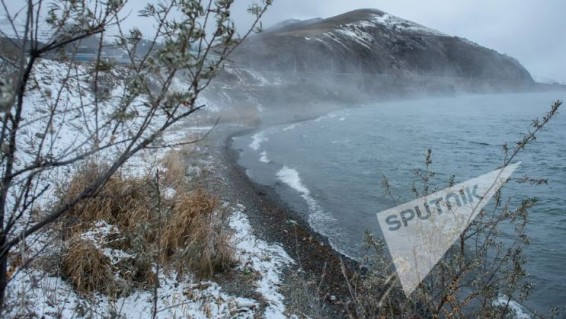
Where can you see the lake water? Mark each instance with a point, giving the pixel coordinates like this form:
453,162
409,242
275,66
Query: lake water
330,169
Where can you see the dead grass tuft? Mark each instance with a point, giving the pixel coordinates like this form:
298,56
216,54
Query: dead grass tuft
193,235
175,169
183,233
87,268
124,202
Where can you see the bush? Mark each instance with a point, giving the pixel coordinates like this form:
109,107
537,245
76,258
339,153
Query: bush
479,269
103,66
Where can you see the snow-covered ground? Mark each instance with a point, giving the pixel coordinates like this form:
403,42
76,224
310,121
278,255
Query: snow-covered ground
34,292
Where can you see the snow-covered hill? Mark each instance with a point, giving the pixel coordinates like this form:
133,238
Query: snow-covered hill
375,44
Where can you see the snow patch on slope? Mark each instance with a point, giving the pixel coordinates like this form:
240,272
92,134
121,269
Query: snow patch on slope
363,31
396,23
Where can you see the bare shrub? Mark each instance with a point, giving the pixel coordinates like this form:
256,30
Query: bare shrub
469,280
54,122
103,80
136,271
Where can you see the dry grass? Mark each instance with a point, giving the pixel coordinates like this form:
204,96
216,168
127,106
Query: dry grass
87,268
175,169
124,202
182,232
193,236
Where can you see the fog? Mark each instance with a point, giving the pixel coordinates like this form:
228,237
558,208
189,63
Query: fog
303,66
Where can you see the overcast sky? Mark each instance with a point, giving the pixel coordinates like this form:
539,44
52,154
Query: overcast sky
534,32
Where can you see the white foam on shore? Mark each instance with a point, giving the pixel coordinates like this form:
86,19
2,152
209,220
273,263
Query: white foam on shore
291,177
517,311
336,115
257,139
318,219
290,127
263,157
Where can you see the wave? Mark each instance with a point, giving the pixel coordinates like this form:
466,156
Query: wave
336,115
290,127
291,177
516,310
480,143
257,139
199,128
263,157
318,219
326,117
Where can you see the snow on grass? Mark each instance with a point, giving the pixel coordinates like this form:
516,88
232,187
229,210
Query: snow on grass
35,292
43,296
246,77
357,32
363,31
331,36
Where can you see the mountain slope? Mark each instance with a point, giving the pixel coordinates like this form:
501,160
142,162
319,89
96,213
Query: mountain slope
375,44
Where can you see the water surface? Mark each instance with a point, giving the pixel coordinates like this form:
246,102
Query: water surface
331,168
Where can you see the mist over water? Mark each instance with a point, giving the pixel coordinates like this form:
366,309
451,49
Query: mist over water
330,168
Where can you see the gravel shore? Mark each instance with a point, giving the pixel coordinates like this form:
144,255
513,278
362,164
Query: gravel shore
315,286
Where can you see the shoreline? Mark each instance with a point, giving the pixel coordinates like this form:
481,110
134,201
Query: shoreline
273,220
270,196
